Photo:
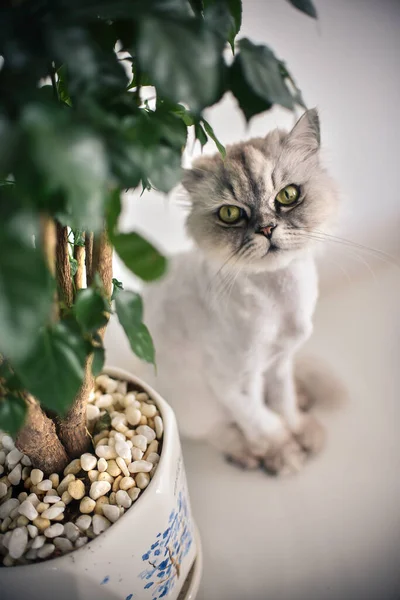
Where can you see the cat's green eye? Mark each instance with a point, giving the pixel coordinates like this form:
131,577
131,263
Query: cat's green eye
288,195
230,214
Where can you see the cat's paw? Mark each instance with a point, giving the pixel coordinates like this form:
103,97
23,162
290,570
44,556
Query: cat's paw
310,434
243,460
287,458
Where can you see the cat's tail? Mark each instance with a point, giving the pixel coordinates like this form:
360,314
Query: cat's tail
318,385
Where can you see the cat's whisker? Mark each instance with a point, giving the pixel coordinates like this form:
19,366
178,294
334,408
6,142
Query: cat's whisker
379,254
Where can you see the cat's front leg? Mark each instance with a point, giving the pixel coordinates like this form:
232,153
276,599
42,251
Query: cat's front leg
282,397
263,431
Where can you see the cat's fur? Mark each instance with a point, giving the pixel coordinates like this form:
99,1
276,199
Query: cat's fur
229,317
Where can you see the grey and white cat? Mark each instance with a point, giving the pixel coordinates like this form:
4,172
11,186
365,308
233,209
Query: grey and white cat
229,316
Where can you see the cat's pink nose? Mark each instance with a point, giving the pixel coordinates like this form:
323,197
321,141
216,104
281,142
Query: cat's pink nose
267,231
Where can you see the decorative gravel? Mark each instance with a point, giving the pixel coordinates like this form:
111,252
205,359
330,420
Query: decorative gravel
44,517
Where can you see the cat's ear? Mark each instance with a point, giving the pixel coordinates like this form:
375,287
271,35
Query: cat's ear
306,132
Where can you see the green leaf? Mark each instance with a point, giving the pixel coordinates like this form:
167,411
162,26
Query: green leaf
102,423
113,210
54,371
12,414
62,86
306,6
183,58
262,73
200,134
26,286
79,238
73,263
98,360
129,309
117,286
139,255
249,102
225,17
211,134
91,309
69,159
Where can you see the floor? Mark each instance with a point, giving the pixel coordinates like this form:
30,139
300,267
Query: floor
333,531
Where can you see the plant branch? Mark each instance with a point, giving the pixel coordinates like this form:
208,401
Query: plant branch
63,269
72,430
38,439
49,243
102,264
79,255
89,258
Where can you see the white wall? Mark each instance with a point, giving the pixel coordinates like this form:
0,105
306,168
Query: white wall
347,64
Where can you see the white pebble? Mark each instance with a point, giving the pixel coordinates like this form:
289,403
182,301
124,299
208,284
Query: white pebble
140,466
31,554
32,530
18,542
8,442
38,542
14,477
44,485
81,542
99,488
83,522
26,461
5,524
7,507
111,512
51,499
36,476
133,415
63,487
104,401
158,424
1,469
54,530
148,410
2,457
140,441
153,457
123,450
126,483
137,454
53,512
33,499
46,550
22,496
147,431
76,489
134,493
102,465
73,467
14,457
71,531
123,499
122,465
106,452
28,510
8,561
87,505
92,412
142,480
111,386
3,489
88,461
100,524
63,544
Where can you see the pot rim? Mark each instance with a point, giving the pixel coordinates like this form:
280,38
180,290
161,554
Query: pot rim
167,416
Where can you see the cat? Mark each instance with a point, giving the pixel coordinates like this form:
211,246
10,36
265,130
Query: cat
229,317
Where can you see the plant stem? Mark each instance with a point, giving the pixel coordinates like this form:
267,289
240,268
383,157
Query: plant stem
49,243
53,81
38,439
63,269
79,255
89,258
102,261
72,430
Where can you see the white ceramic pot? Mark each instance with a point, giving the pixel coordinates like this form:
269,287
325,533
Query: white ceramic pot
153,551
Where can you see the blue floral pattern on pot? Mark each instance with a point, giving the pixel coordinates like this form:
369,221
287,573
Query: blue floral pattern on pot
164,557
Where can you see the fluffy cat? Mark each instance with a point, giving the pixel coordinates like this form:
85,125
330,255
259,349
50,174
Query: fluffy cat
229,316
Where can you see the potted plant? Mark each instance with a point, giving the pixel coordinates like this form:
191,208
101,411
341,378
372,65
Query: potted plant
75,133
